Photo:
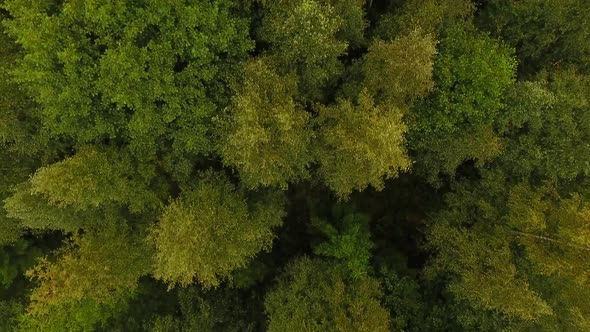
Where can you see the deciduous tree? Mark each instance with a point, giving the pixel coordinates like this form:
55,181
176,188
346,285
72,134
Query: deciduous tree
360,144
212,230
266,133
313,295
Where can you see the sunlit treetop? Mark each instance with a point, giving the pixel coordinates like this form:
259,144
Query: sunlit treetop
212,230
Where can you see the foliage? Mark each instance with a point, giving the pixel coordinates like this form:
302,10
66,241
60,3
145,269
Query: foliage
210,231
94,274
547,125
360,144
500,250
402,297
459,96
354,23
13,172
463,106
137,72
349,242
204,312
312,295
36,212
287,165
429,16
267,136
545,33
400,70
303,37
16,259
91,179
18,116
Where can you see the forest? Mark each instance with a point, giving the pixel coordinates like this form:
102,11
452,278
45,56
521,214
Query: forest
294,165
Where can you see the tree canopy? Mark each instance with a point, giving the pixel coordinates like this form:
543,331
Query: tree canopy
294,165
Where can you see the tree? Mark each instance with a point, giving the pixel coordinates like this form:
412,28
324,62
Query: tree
172,165
428,16
93,277
313,295
266,135
392,75
14,172
15,259
545,33
34,211
206,311
400,70
349,241
18,115
91,179
303,37
88,189
360,144
515,249
19,139
401,295
459,95
212,230
547,126
137,73
354,23
472,72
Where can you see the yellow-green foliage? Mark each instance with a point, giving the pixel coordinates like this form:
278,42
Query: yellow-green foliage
92,179
303,35
95,271
266,137
138,71
210,231
354,23
487,278
187,151
507,247
360,144
428,15
400,70
36,212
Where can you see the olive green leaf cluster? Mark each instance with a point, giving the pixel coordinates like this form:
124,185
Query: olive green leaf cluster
360,144
314,296
127,71
94,274
210,231
266,135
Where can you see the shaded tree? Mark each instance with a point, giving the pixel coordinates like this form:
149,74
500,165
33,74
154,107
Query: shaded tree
313,295
515,249
545,33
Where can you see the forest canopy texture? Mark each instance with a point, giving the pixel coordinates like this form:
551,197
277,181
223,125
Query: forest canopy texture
294,165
